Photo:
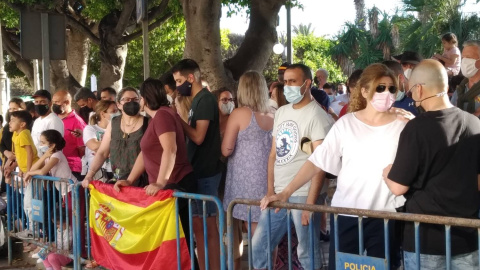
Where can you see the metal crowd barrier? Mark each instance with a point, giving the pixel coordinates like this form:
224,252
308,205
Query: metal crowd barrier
50,208
448,222
221,226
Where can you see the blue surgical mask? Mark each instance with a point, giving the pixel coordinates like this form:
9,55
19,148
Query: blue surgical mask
331,97
400,95
293,93
43,148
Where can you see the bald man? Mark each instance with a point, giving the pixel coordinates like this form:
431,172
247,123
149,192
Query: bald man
436,169
73,125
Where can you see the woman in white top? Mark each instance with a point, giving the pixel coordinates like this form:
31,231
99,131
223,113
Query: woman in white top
356,149
105,110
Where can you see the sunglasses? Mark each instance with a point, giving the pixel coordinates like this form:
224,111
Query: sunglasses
381,88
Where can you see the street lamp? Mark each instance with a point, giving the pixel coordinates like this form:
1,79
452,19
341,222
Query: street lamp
278,48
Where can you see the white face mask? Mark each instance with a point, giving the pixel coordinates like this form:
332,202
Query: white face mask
468,67
227,108
293,93
408,73
43,148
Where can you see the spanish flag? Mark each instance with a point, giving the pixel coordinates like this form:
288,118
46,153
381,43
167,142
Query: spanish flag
131,230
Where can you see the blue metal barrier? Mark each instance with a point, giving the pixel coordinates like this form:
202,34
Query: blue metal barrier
221,226
38,224
379,263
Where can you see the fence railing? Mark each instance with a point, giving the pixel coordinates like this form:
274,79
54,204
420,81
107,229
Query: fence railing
40,213
417,219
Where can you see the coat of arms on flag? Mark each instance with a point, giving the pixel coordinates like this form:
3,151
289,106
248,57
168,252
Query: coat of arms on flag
130,230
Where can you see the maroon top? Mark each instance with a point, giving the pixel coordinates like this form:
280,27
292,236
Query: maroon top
165,120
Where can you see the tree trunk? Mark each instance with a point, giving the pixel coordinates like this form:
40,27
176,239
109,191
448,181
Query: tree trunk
113,53
78,50
260,37
13,50
203,40
61,78
360,20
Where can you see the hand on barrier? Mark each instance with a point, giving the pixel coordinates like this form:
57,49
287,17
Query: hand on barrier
306,217
87,179
272,198
27,177
121,183
152,189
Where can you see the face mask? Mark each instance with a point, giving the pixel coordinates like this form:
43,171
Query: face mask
292,93
112,115
272,103
468,67
131,108
43,148
382,102
84,113
57,109
407,73
340,92
42,110
185,89
331,97
400,95
227,108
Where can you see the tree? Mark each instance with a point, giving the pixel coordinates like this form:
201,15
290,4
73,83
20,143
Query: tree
108,24
305,30
360,19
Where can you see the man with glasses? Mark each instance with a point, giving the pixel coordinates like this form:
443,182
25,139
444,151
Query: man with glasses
436,168
402,101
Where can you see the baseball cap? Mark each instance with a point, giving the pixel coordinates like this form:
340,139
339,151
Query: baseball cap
410,58
43,93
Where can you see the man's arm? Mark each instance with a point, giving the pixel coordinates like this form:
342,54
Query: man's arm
396,188
271,163
197,135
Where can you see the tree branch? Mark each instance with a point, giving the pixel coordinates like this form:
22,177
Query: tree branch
157,11
8,43
152,26
125,16
82,28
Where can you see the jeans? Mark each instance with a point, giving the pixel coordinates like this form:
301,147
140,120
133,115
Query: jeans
459,262
278,229
206,186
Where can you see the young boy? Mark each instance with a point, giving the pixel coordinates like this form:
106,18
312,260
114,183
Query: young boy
25,154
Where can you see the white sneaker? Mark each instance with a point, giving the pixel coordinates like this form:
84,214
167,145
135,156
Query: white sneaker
26,234
39,261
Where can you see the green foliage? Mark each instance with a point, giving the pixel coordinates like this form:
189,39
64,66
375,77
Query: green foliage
224,40
8,16
166,48
302,29
315,53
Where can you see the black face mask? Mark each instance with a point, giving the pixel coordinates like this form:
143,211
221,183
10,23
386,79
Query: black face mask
84,112
185,89
57,109
42,110
131,108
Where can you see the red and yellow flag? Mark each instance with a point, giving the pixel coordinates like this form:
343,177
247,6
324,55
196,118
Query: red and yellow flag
131,230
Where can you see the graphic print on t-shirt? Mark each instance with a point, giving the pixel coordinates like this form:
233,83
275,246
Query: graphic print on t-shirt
287,140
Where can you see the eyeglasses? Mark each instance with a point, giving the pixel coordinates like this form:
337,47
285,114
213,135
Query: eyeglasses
415,85
126,100
226,100
381,88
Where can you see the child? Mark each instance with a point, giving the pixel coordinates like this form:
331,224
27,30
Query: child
25,154
63,241
451,54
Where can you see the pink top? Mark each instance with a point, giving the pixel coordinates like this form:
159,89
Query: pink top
455,68
72,143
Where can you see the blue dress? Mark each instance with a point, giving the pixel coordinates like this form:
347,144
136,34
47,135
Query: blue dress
247,169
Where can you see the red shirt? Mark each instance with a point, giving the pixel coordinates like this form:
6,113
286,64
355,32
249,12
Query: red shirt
72,143
343,111
165,120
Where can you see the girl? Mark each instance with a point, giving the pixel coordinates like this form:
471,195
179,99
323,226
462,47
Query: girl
105,110
451,54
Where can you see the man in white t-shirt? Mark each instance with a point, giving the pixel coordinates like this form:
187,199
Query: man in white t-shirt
302,118
46,119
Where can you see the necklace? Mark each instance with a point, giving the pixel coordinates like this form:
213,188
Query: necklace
127,134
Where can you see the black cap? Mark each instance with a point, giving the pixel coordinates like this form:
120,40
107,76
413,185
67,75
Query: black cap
43,93
410,57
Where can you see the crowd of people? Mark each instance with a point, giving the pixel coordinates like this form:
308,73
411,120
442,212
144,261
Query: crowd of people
391,136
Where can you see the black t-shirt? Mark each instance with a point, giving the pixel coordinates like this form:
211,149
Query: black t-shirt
438,158
205,158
